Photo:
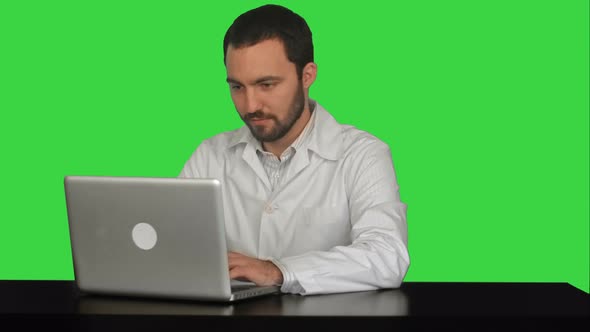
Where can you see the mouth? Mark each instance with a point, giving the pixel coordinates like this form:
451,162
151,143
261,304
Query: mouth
258,120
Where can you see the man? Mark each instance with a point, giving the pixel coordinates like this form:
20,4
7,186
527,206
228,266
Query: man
309,204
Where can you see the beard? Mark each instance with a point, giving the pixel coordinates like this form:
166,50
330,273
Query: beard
280,128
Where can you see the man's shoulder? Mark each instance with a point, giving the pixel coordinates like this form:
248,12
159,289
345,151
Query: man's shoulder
224,140
346,139
355,140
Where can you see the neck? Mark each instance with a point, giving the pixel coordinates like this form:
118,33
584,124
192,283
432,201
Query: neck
277,147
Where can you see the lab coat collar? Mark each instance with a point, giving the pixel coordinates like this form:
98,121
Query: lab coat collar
325,139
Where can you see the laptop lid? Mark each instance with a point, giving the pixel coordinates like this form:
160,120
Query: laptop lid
162,237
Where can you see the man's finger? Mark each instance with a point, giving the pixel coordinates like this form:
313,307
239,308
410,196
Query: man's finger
236,260
234,254
237,272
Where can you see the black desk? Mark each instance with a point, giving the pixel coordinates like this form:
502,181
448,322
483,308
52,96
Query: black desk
433,306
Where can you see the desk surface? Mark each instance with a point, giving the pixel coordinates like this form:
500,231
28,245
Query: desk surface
60,302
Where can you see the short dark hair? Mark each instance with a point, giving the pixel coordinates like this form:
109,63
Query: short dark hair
270,22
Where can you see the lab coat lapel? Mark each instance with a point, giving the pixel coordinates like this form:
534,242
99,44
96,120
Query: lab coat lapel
253,161
299,162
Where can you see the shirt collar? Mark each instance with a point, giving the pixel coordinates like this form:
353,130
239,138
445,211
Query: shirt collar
322,134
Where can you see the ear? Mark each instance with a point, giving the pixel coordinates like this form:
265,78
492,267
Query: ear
309,74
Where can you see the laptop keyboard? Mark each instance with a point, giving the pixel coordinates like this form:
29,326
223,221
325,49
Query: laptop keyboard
237,288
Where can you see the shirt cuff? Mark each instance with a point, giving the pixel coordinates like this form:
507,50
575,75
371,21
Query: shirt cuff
290,283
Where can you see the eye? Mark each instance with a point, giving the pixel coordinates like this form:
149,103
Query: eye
235,87
267,85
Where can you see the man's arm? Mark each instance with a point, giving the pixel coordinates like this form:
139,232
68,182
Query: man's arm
378,255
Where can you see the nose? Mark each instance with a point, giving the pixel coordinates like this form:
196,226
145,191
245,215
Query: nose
252,101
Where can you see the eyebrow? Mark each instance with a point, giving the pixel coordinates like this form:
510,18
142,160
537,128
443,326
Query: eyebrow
257,81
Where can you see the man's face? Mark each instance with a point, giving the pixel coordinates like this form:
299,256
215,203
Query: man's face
265,88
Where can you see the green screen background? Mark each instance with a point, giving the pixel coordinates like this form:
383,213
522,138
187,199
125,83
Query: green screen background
484,104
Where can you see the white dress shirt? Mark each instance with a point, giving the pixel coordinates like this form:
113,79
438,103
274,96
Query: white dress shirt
331,221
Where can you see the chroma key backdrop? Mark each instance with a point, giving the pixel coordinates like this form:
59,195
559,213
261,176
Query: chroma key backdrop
484,105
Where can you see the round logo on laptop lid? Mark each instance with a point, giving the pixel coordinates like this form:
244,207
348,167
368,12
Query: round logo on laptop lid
144,236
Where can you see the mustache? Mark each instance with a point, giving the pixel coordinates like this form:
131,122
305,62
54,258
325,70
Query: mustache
257,115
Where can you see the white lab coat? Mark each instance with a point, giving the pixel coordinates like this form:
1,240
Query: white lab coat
336,223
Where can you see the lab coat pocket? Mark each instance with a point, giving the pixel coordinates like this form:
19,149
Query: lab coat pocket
322,228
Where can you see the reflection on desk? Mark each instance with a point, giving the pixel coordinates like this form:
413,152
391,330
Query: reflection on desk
373,303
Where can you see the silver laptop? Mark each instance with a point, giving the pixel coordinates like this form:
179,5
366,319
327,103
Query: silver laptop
154,237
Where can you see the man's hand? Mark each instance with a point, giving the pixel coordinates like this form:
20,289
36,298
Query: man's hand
262,273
